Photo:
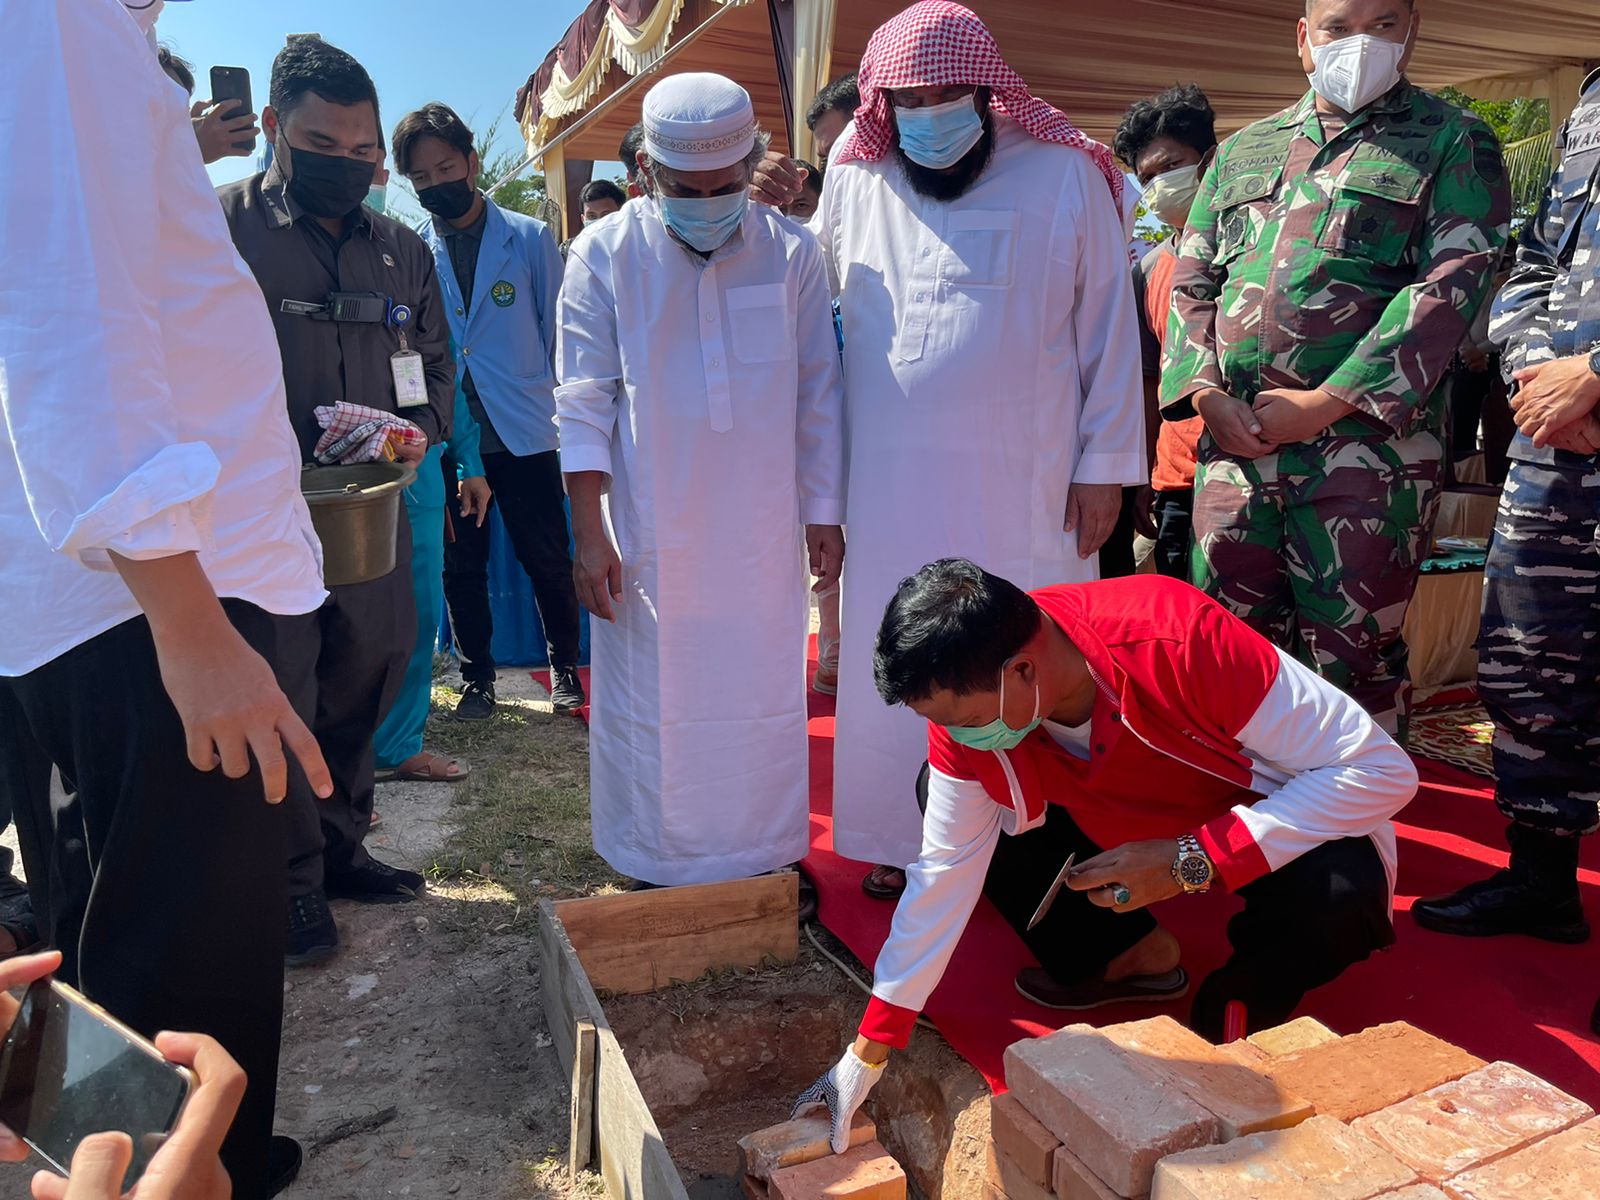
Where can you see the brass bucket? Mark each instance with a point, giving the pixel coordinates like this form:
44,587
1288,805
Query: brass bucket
356,512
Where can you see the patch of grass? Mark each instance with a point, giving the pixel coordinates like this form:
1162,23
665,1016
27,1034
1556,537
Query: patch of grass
522,825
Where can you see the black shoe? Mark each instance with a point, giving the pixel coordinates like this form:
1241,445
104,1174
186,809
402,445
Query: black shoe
283,1163
1033,983
375,883
566,693
476,703
1536,895
313,937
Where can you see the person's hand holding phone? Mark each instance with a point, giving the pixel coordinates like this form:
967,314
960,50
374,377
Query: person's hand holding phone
220,129
187,1167
19,972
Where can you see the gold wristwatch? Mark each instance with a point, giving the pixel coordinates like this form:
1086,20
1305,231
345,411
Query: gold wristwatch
1192,870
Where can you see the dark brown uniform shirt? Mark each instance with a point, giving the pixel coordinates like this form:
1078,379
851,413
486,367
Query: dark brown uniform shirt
294,258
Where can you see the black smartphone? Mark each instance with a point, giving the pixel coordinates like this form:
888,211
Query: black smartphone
69,1069
233,83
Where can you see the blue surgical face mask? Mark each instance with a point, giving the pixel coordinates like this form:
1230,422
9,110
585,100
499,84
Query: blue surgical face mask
939,135
704,222
377,197
997,735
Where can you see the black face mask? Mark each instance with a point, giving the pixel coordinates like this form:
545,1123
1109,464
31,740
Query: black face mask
328,185
449,201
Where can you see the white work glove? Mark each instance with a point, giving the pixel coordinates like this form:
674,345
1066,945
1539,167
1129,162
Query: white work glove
842,1090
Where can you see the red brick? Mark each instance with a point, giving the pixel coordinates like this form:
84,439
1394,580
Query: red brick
1011,1181
1245,1054
990,1192
1096,1099
794,1142
1475,1120
1026,1142
1366,1071
1563,1167
864,1172
1242,1100
1074,1181
753,1188
1300,1034
1319,1159
1417,1191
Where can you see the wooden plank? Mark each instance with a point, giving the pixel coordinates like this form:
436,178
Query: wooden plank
633,1159
580,1142
643,941
563,989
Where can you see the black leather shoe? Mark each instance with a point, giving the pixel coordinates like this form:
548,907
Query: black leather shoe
1537,895
374,882
283,1163
566,693
476,703
313,937
1033,983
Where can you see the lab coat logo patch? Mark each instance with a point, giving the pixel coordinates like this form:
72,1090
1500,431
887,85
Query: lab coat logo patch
503,294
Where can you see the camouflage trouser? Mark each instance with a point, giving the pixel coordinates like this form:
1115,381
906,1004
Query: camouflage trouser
1539,647
1318,546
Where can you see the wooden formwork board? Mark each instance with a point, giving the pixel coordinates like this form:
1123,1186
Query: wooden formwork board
638,942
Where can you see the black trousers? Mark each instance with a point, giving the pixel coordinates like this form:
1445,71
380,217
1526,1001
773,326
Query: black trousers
164,889
349,662
1116,556
1301,927
528,491
1174,516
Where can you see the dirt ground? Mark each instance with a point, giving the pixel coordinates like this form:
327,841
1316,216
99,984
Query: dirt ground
417,1063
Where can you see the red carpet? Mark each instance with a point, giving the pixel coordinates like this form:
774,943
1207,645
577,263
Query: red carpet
1517,999
542,678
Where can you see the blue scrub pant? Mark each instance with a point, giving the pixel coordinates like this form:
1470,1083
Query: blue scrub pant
400,735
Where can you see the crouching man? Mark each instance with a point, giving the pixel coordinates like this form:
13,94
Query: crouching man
1136,725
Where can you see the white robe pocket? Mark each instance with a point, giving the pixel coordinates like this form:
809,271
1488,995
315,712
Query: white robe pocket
759,324
980,249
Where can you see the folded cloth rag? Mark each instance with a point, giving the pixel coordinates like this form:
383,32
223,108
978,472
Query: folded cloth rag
354,433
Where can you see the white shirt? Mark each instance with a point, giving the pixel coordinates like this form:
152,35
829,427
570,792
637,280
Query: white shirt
139,374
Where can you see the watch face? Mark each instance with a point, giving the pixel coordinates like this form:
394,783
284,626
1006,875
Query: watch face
1194,871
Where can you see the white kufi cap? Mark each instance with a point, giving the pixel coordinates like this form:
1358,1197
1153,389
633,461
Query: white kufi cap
698,122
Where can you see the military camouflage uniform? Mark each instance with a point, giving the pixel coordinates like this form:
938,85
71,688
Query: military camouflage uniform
1539,645
1352,259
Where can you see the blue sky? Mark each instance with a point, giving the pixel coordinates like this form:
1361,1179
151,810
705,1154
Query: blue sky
472,54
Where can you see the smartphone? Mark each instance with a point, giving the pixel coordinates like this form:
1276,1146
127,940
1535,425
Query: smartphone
69,1069
233,83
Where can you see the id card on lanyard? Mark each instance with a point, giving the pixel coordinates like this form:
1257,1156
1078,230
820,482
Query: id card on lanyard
405,364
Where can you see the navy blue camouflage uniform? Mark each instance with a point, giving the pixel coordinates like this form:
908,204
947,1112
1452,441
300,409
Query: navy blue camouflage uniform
1539,643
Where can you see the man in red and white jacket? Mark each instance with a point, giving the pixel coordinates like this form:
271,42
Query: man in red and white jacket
1135,724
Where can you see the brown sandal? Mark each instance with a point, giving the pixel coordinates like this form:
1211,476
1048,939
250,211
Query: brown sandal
884,883
426,767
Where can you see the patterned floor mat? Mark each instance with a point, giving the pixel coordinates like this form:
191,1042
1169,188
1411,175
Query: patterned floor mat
1458,734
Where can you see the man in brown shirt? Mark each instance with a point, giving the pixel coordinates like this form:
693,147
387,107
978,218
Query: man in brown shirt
347,289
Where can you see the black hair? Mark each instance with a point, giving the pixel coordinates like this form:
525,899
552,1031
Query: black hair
1312,4
842,96
602,189
309,64
813,175
431,120
179,70
1182,113
950,626
628,151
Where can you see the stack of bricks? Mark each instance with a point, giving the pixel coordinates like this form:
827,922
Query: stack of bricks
793,1161
1149,1109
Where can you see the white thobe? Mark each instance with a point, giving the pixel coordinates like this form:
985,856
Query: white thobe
991,355
709,391
140,379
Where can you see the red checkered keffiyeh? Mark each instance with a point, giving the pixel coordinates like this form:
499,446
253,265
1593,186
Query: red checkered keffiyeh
354,433
939,44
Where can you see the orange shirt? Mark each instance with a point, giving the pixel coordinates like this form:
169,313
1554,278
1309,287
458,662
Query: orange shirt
1176,441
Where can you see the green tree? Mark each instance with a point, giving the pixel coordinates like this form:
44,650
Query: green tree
1512,120
524,194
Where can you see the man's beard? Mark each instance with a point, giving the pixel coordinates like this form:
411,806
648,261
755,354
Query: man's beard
948,184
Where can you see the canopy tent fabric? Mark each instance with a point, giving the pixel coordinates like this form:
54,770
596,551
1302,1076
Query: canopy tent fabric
1092,60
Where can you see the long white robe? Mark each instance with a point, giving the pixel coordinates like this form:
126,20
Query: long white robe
709,391
991,359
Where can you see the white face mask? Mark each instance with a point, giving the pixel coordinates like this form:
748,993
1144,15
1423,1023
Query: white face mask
1354,71
1171,195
